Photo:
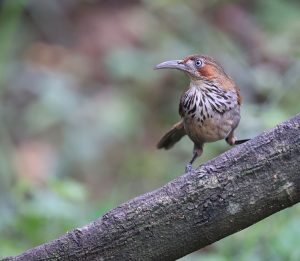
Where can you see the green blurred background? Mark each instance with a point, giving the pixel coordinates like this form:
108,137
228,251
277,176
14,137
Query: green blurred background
82,109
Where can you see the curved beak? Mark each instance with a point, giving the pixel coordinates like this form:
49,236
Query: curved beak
173,64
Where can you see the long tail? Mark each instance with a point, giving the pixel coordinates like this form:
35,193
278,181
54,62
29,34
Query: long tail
172,136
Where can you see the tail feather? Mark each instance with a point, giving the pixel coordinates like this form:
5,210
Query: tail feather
172,136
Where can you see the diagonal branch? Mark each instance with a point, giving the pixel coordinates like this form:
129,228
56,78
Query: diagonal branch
227,194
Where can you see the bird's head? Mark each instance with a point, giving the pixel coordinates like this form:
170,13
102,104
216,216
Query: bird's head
198,67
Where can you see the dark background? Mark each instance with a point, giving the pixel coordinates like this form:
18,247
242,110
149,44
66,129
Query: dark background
82,109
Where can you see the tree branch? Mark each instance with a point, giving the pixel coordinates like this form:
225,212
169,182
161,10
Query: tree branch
227,194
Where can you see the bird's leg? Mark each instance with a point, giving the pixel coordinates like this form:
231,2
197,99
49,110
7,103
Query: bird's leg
196,153
189,166
231,140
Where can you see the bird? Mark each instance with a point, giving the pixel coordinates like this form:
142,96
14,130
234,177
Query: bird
209,108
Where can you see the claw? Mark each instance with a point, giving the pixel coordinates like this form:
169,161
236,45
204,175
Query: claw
237,142
188,167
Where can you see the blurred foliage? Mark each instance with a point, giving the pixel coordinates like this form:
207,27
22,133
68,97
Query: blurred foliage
81,108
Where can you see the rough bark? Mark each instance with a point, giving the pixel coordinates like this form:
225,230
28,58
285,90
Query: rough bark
229,193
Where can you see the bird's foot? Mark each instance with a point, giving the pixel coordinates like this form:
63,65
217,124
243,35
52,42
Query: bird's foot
188,167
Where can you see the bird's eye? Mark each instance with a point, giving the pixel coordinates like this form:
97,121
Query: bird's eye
198,63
